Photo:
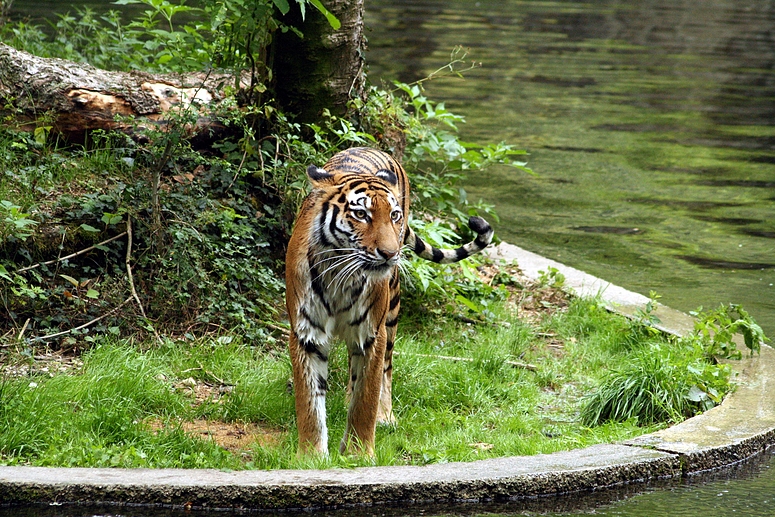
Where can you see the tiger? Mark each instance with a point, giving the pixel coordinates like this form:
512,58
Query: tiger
342,283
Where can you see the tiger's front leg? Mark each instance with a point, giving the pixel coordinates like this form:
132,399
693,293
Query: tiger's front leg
309,361
366,369
385,414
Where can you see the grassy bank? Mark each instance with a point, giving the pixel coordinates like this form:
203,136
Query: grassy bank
517,384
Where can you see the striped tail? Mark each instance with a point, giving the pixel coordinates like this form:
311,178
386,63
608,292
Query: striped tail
423,249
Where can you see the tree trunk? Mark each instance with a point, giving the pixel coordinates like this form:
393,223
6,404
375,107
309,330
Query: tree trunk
324,69
74,98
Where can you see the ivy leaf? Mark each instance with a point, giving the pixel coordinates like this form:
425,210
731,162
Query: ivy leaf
88,228
41,134
468,303
696,394
93,294
282,5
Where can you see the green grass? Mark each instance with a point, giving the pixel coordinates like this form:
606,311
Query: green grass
107,412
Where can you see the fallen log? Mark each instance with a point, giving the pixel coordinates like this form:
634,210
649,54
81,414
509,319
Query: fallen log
74,98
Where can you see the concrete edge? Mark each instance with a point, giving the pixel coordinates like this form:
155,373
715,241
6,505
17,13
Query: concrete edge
737,429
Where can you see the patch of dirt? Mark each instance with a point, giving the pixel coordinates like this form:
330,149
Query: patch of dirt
202,392
532,300
236,437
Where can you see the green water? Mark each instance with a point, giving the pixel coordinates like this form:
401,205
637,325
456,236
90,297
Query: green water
651,126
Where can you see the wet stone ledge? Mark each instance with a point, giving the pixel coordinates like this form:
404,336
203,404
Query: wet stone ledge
499,479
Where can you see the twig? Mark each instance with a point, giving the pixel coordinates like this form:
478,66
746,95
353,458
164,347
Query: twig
131,279
515,364
24,329
129,267
285,331
85,250
449,68
95,320
201,368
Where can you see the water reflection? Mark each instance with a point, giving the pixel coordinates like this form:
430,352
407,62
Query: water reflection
656,115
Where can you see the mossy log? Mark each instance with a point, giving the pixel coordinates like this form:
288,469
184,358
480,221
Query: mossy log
74,98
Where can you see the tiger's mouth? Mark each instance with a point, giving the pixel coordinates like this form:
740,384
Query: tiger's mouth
380,265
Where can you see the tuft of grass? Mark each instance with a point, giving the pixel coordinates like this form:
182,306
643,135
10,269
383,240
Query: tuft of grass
649,390
663,383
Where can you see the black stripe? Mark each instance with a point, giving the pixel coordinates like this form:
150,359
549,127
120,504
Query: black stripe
312,322
355,296
332,225
357,292
322,384
392,323
460,253
395,301
388,368
360,319
368,343
322,238
438,255
419,245
317,288
312,349
389,346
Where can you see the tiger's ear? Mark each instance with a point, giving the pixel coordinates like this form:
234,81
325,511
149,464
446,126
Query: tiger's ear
317,175
387,175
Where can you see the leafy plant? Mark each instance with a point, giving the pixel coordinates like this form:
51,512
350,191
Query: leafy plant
14,223
658,387
552,277
718,328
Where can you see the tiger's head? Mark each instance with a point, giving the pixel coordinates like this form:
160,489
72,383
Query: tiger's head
361,218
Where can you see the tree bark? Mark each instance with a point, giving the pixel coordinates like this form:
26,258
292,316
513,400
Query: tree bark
75,98
324,69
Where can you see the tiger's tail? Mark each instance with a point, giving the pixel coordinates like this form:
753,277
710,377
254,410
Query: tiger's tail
484,234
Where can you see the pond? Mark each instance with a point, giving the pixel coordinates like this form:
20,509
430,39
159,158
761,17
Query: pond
650,125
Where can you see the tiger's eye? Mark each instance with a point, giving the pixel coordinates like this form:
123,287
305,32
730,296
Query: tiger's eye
359,214
396,215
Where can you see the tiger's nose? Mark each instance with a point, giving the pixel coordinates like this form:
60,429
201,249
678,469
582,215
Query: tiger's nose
387,254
